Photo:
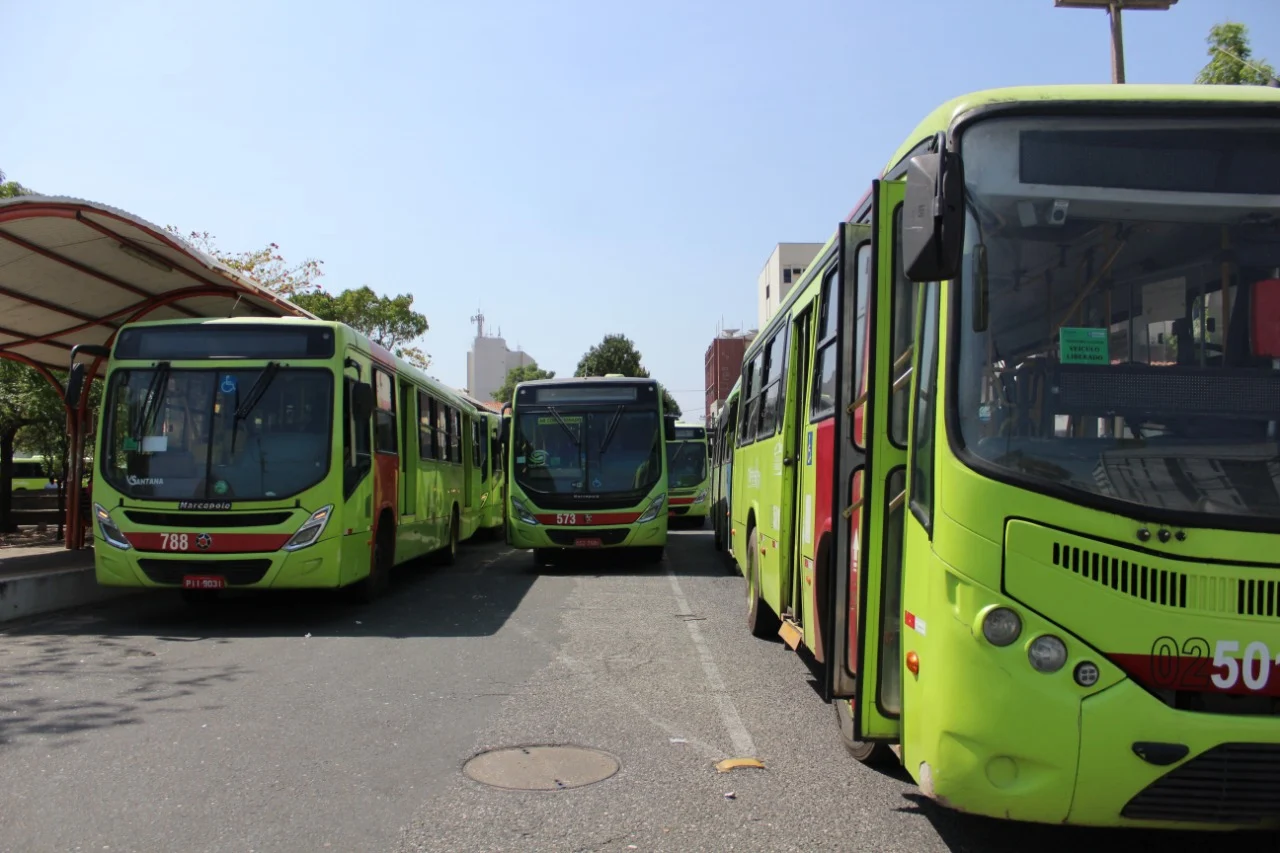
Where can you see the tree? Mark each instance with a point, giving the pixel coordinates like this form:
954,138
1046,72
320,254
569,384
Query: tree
524,373
389,321
12,189
617,354
266,266
1229,59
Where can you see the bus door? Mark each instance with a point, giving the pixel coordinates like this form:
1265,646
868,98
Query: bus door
796,568
408,450
468,442
873,397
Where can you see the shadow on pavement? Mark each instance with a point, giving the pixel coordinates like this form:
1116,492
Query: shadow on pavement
472,598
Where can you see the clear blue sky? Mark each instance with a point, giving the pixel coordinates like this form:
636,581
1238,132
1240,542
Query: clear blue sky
550,162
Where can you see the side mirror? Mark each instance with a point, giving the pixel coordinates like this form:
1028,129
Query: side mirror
363,400
504,432
669,427
933,216
75,385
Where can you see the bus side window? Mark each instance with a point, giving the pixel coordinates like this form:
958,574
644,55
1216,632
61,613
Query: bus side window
356,443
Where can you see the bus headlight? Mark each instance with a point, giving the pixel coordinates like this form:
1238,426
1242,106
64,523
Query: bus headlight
1001,626
522,512
310,530
108,528
1047,653
651,511
702,496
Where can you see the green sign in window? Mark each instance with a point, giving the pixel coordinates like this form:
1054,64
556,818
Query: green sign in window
1084,346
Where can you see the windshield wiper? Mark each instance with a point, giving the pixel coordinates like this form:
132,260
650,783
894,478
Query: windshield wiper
555,413
155,393
611,429
251,399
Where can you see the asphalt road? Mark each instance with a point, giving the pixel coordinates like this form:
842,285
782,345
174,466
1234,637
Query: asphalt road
304,723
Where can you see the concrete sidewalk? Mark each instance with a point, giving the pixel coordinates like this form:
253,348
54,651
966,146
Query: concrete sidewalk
35,580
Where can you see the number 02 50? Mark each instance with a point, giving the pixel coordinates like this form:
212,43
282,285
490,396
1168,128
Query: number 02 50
1230,668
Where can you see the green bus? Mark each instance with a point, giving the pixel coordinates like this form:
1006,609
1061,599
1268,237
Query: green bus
724,430
587,466
688,477
490,482
273,453
1006,459
29,475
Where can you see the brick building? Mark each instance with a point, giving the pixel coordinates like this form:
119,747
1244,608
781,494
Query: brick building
723,366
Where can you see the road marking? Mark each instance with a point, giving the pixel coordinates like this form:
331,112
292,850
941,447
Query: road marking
742,743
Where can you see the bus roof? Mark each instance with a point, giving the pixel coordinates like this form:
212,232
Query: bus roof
944,116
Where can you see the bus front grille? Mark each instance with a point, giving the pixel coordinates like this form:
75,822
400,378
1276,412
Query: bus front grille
237,572
1236,783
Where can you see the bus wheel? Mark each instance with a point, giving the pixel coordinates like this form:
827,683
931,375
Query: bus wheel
715,525
449,555
541,557
379,566
760,618
869,753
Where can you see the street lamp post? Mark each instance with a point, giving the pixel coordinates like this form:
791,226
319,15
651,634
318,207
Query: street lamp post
1113,8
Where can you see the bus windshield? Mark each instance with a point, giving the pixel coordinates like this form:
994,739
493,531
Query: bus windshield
686,464
1119,318
565,451
239,434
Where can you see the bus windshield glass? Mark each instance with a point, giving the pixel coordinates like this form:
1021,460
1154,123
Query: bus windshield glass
575,450
222,435
686,464
1120,310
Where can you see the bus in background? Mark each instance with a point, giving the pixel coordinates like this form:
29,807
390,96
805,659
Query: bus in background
486,469
724,430
280,453
587,467
688,480
1006,459
29,475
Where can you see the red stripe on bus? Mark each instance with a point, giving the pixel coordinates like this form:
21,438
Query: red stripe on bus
1195,674
583,519
213,543
679,501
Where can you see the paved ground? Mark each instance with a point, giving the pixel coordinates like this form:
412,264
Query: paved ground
304,723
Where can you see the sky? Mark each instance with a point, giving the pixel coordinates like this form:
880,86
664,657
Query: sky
572,169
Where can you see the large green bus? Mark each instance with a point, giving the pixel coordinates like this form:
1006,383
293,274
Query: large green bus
490,482
278,453
688,475
587,466
724,429
1007,460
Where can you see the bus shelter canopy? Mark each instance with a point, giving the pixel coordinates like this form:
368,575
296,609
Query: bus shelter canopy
74,271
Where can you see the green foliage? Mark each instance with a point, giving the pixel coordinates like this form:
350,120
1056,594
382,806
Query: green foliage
525,373
389,321
266,266
618,354
1229,59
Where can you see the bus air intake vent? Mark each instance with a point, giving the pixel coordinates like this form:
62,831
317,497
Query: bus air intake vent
1235,783
204,521
1156,585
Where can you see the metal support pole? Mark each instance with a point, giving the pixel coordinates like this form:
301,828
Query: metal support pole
1117,43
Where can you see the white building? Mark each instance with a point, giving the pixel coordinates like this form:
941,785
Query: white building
783,269
489,361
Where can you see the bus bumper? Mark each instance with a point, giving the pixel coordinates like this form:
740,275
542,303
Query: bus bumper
652,534
317,566
1229,777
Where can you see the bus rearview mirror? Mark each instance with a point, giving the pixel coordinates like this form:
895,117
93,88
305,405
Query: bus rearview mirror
669,427
75,385
933,216
363,400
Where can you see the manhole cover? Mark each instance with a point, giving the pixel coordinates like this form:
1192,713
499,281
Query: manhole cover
541,768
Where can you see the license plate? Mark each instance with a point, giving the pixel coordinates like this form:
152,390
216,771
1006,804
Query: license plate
203,582
587,543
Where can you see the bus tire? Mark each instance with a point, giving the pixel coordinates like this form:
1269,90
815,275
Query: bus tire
718,540
870,753
761,620
449,554
541,557
380,563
